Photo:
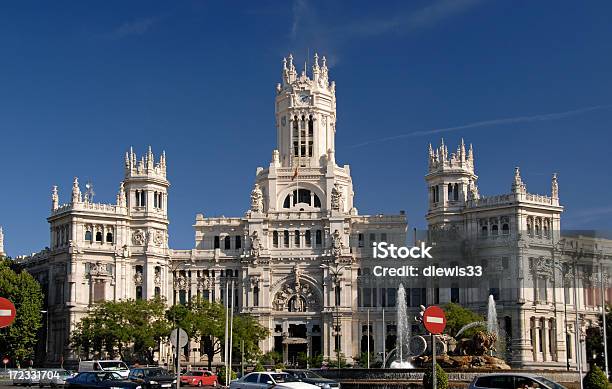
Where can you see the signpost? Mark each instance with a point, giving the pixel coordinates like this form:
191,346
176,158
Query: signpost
7,312
178,339
434,321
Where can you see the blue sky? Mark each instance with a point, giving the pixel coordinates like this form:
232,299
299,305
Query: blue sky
528,83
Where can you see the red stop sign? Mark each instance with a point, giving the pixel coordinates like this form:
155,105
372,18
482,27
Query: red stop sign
7,312
5,360
434,319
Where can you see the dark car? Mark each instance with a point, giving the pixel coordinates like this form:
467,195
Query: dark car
100,379
152,377
513,381
313,378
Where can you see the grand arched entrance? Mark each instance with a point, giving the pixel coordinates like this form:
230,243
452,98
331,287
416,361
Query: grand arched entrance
297,321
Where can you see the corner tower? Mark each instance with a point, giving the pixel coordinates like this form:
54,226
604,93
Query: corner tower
451,182
305,115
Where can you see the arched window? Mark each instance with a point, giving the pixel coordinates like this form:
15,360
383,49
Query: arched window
227,242
307,238
275,238
238,241
99,236
88,235
155,198
286,238
296,238
484,231
137,197
494,230
456,192
450,191
505,229
302,196
318,237
310,126
109,237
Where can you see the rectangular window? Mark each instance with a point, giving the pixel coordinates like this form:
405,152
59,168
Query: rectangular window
383,237
296,238
318,238
239,243
374,297
360,242
99,291
383,297
454,294
307,238
227,243
216,243
275,238
372,238
391,297
286,238
367,297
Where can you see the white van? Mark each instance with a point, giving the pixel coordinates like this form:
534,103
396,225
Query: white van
117,366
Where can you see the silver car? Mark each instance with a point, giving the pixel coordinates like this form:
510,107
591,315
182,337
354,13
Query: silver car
267,380
513,381
58,378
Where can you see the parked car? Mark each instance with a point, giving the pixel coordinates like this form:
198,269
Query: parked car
313,378
199,378
267,380
513,381
116,365
100,380
152,377
56,379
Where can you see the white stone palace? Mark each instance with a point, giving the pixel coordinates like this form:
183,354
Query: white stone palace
300,258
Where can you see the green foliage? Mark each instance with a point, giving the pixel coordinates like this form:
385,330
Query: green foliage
457,317
206,320
280,366
363,359
259,367
333,363
595,379
18,340
441,378
221,375
315,361
271,358
594,339
114,326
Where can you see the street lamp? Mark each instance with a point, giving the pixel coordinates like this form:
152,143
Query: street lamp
336,272
46,313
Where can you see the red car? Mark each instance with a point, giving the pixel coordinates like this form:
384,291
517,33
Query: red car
199,378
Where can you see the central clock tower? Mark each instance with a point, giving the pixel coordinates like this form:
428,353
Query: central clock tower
305,115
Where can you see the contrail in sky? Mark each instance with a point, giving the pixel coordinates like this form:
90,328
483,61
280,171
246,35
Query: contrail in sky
488,123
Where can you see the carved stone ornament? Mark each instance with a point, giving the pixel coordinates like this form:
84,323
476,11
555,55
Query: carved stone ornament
337,244
138,278
98,269
138,238
542,266
158,238
157,279
296,298
255,280
205,283
336,198
180,282
257,199
256,245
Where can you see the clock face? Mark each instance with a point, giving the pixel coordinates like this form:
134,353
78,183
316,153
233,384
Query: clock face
303,98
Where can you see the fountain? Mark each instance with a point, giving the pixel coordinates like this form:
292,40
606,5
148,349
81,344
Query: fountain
403,333
492,317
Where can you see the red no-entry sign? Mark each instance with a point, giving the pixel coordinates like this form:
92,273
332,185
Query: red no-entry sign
434,319
7,312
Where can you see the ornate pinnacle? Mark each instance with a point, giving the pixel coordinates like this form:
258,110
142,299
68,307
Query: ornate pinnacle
76,191
54,198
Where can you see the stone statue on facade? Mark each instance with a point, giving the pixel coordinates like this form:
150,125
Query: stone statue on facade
337,244
336,198
255,245
554,187
257,199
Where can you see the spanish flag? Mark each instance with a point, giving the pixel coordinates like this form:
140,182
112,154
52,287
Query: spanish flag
296,173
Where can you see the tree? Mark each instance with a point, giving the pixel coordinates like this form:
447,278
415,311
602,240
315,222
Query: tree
457,317
18,286
594,340
206,320
441,378
595,379
119,326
